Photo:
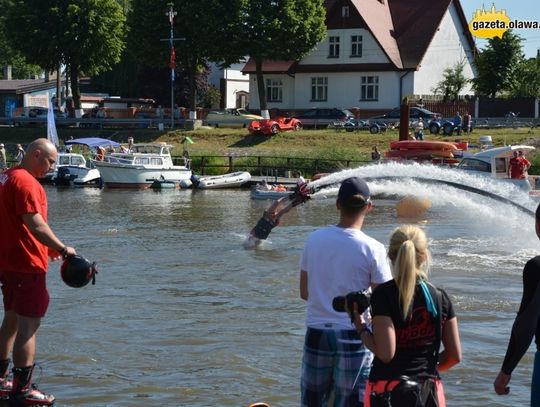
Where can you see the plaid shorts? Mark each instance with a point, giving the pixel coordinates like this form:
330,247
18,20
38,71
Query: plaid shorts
334,361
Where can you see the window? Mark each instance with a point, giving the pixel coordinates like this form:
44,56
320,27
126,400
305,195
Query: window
369,88
345,11
319,89
356,46
274,90
333,50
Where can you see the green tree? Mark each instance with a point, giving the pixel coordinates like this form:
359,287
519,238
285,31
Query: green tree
497,64
87,36
206,28
9,56
526,81
279,30
452,83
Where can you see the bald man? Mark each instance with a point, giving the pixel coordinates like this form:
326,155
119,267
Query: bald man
26,244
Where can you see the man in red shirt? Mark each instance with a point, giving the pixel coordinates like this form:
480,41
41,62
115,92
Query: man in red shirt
515,167
26,243
526,164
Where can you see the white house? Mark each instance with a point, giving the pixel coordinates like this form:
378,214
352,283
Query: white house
231,83
375,53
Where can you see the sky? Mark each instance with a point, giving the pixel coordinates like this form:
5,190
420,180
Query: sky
516,10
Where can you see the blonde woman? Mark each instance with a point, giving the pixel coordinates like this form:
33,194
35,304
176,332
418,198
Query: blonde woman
410,319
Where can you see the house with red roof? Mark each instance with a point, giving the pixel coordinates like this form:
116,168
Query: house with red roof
374,54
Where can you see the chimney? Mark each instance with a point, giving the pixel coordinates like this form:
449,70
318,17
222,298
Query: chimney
8,72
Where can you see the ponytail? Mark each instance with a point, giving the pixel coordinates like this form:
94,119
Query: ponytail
410,258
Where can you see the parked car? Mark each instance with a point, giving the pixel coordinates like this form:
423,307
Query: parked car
230,118
393,116
39,113
323,117
274,126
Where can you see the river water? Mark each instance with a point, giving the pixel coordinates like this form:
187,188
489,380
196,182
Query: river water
182,315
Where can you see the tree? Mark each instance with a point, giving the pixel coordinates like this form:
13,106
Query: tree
279,30
497,64
452,84
87,36
195,23
526,81
9,56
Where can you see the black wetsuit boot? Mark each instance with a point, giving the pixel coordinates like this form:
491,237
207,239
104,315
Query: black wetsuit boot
24,392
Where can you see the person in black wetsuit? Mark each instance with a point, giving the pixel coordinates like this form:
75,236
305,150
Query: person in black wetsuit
526,326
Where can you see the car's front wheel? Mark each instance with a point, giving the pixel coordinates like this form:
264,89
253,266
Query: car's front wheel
434,128
274,129
374,129
298,126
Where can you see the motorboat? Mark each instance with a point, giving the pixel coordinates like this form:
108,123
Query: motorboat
230,180
494,162
419,150
143,164
266,191
72,169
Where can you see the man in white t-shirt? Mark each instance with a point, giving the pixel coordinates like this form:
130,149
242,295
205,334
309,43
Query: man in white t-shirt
336,261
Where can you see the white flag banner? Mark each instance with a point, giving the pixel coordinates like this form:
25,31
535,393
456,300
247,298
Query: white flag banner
52,135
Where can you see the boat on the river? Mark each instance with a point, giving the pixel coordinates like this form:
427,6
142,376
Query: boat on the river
265,191
141,166
230,180
72,169
494,162
423,150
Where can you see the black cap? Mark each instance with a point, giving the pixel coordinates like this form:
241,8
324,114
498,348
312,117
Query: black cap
351,187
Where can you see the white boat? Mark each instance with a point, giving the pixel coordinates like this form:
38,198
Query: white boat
141,166
273,193
72,169
231,180
494,162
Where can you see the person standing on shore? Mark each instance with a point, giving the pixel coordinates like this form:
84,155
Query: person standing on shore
20,154
411,319
3,159
26,243
526,327
337,260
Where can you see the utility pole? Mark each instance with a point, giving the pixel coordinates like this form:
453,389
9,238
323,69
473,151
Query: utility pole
171,14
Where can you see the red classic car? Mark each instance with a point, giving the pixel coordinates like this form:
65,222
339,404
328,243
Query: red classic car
274,126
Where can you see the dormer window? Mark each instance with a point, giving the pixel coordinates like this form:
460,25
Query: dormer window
333,47
345,11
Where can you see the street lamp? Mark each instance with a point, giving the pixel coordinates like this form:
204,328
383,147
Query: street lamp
171,14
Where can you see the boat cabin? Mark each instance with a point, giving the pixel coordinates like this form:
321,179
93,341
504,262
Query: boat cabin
494,162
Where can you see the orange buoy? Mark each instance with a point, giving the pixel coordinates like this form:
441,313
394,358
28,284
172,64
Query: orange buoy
412,206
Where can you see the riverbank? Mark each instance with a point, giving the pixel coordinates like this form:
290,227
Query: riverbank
312,144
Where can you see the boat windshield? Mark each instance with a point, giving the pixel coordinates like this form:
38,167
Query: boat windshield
150,149
472,164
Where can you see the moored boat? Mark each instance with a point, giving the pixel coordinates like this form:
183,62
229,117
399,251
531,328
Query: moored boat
230,180
141,166
494,162
424,150
274,192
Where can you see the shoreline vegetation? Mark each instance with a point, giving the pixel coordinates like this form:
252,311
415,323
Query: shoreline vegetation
327,144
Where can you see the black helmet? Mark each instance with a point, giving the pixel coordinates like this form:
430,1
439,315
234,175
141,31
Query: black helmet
76,271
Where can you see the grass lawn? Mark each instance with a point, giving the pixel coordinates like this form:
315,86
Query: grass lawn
323,144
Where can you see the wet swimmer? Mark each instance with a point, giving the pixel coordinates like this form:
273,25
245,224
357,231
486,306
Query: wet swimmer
526,327
273,214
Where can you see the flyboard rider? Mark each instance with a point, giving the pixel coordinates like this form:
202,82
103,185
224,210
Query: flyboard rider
273,214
